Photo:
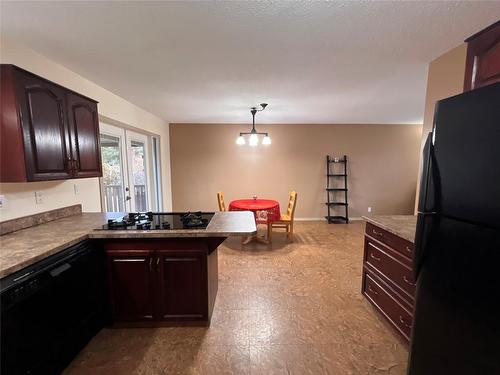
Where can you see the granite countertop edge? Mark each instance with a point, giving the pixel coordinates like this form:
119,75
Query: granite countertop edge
218,227
400,225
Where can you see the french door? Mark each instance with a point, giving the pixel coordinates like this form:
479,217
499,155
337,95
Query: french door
126,162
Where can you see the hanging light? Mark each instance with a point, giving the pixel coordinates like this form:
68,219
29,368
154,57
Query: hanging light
254,134
254,140
266,140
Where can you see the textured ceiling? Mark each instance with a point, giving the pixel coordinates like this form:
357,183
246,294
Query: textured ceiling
319,62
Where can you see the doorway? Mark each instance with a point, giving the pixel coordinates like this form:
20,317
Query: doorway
130,181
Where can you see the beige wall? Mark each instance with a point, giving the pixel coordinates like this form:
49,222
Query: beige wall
382,165
445,78
20,196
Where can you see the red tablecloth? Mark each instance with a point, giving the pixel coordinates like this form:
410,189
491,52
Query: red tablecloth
265,210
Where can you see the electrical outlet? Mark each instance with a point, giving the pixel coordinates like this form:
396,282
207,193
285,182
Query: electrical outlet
2,201
76,189
39,197
369,209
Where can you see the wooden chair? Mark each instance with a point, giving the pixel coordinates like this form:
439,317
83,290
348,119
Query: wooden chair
220,200
286,220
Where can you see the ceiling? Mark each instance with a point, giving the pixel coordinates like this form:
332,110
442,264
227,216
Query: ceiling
313,62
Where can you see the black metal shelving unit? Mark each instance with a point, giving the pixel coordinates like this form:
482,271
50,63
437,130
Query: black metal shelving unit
334,200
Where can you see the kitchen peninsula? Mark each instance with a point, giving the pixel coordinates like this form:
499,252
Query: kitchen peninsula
79,278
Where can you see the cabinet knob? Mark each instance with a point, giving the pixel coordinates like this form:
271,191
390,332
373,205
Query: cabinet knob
402,321
406,280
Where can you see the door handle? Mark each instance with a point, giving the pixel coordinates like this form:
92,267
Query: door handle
58,270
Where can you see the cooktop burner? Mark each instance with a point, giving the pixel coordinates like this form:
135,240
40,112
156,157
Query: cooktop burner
160,221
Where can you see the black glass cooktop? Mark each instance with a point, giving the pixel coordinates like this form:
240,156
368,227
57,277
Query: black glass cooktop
160,221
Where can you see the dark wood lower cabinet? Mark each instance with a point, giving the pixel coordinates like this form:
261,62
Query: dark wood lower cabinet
131,285
162,281
182,285
388,277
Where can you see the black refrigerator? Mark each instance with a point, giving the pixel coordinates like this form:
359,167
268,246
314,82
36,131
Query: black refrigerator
456,327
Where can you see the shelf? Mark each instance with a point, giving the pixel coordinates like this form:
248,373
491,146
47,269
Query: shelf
336,189
336,204
336,219
336,175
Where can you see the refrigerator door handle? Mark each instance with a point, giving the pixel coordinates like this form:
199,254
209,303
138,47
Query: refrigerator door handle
425,222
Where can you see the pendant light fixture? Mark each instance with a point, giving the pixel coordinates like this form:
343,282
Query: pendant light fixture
253,135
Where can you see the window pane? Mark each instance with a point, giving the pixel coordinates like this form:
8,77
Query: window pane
112,173
139,175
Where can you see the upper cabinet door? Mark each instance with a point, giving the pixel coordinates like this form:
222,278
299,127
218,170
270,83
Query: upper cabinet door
84,130
483,58
42,108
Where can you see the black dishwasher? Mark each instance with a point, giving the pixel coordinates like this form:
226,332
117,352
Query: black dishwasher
51,309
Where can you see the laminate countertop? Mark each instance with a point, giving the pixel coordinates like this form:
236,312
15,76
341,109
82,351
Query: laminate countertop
27,246
401,225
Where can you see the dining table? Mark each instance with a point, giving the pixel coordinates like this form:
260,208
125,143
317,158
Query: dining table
266,211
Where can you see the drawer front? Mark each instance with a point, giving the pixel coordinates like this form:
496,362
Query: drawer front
389,264
390,307
397,243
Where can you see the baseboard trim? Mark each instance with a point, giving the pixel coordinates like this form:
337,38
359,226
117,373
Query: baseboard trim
323,219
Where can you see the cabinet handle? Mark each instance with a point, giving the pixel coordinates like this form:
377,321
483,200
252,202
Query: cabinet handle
181,259
76,163
379,234
150,264
372,290
406,280
68,163
408,250
402,321
374,257
157,263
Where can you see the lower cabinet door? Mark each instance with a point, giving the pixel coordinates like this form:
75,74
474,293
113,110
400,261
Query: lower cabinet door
131,286
183,286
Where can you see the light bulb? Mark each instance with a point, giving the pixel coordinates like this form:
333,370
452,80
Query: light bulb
266,140
240,140
254,140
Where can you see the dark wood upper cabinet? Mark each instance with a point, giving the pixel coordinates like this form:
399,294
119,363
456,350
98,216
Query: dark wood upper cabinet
84,129
482,66
47,131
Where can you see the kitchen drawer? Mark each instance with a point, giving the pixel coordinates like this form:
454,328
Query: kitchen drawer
397,243
397,315
390,264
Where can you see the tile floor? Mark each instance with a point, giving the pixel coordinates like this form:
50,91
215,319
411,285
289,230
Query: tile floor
281,309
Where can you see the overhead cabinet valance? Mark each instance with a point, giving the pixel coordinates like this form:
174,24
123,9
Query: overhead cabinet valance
48,132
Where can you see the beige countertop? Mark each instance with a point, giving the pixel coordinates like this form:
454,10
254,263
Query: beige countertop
27,246
400,225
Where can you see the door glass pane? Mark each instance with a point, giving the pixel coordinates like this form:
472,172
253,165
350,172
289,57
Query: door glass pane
112,173
139,175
